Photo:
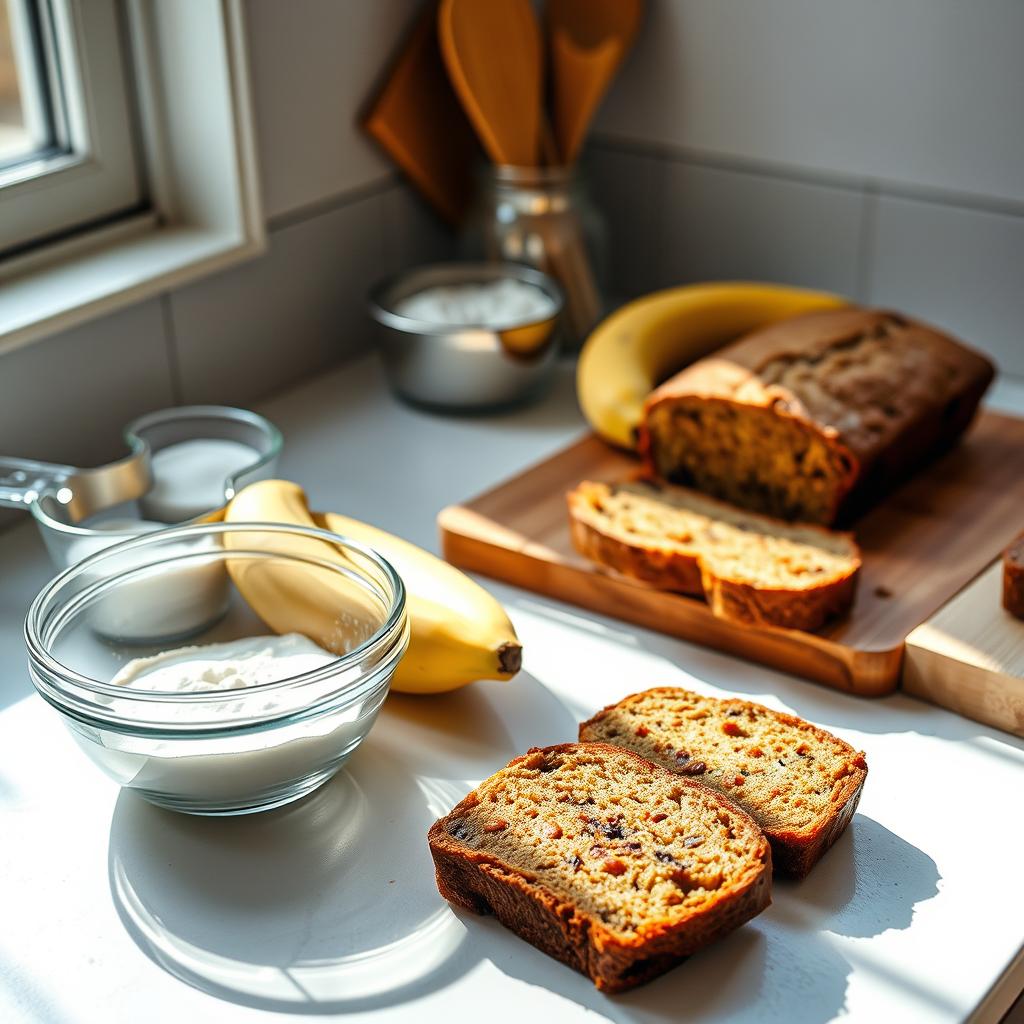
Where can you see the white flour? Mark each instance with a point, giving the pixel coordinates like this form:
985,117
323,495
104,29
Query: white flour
496,304
230,768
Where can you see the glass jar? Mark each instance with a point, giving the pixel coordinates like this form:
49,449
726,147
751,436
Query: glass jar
544,217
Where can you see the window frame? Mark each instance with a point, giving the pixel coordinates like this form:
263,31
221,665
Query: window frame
195,130
91,173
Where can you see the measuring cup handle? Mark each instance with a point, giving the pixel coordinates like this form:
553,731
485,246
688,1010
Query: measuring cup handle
23,480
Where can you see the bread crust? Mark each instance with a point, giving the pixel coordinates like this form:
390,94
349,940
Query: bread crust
876,459
794,852
684,572
483,883
1013,578
666,570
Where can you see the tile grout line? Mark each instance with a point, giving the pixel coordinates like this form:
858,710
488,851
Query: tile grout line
331,204
866,243
807,176
171,343
724,162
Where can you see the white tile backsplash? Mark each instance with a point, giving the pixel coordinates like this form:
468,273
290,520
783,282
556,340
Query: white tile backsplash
263,326
314,67
963,269
919,92
722,224
67,398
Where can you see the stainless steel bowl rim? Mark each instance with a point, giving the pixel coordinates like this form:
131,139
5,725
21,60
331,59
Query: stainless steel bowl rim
479,272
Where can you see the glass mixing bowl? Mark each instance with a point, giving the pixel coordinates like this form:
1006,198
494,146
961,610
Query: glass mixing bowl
218,751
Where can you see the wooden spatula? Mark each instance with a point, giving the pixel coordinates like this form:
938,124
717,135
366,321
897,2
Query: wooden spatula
588,39
494,56
420,122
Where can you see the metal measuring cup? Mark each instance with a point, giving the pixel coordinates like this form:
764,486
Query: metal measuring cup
62,498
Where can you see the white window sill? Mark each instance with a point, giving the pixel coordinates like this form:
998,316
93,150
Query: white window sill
141,261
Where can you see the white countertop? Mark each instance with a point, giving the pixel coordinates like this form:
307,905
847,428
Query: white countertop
112,910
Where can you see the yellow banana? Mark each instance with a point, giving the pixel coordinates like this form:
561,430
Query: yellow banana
459,632
649,339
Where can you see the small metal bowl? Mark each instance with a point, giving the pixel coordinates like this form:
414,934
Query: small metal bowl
469,368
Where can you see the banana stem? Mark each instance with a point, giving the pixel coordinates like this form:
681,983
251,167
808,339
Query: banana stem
510,657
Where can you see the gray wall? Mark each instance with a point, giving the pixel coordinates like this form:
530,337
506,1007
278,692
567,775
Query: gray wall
873,147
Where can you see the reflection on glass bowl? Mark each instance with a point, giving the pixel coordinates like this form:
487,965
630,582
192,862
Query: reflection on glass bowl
315,907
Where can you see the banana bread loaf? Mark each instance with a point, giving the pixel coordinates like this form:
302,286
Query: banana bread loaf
800,783
811,418
607,862
750,568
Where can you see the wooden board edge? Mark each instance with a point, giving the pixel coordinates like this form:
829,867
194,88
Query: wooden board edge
977,693
866,674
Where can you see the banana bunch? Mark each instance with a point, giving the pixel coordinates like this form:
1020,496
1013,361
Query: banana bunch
648,340
459,632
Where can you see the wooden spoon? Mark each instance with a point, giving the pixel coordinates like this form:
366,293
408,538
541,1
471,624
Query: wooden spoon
494,56
589,39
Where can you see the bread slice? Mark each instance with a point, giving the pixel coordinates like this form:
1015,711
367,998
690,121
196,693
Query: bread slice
800,783
750,568
603,860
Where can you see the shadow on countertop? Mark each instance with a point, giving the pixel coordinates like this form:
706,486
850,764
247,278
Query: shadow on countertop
482,726
309,909
869,882
787,977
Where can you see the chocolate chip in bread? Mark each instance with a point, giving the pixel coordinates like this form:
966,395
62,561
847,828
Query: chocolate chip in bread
603,860
800,783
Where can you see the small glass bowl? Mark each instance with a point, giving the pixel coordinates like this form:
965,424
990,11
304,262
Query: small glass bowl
218,752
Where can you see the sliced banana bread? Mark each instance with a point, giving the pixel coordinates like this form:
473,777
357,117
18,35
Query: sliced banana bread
800,783
811,418
603,860
750,568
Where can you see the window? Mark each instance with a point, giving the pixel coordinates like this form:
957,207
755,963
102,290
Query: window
127,158
26,126
67,155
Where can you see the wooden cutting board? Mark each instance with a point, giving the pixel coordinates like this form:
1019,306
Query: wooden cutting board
969,656
921,546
